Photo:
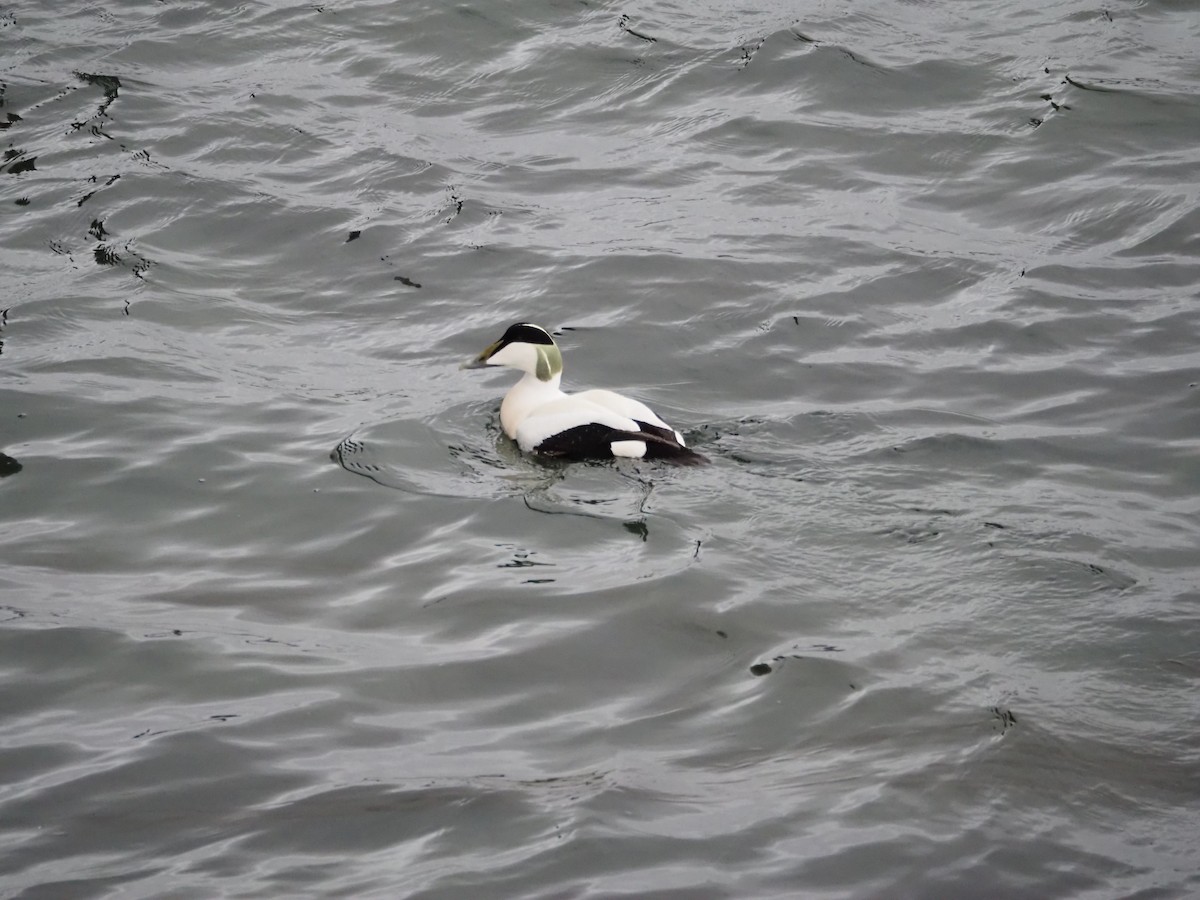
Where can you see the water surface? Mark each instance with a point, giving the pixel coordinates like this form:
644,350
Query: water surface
921,280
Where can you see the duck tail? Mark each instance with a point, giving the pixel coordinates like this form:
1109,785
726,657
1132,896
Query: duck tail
670,452
688,457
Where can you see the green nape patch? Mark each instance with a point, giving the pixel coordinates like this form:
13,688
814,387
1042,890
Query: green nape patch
549,362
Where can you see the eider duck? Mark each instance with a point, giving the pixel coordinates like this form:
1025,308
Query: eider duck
597,424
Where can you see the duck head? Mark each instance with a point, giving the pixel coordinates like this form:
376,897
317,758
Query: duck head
526,347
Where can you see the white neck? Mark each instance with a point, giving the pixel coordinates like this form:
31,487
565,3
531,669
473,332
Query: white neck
524,396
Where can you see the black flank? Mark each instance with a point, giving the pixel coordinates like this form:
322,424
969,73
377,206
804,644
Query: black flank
594,441
589,441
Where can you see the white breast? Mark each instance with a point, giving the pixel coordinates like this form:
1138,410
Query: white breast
523,398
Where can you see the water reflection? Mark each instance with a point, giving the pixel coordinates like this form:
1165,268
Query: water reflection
8,465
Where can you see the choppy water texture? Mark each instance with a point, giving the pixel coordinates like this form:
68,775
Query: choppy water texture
921,279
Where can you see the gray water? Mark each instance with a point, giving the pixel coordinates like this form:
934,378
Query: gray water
922,280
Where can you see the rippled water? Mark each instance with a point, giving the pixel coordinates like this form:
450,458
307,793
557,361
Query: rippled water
921,279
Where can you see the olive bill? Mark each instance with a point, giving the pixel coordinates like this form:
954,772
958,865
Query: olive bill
481,361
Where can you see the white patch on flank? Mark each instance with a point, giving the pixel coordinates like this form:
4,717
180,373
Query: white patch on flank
632,449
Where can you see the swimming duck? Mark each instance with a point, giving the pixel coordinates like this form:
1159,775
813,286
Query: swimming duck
596,424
